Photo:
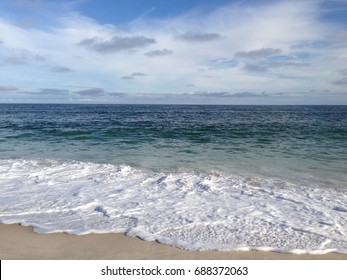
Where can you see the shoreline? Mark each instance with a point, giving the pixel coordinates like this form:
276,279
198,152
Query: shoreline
21,243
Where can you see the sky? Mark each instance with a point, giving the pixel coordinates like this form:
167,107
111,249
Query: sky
173,52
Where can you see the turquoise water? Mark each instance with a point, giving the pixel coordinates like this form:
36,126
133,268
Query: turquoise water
284,141
196,177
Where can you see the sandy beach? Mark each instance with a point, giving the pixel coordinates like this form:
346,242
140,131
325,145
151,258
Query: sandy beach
19,242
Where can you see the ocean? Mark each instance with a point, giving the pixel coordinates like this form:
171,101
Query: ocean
197,177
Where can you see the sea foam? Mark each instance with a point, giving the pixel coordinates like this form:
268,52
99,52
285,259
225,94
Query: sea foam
182,208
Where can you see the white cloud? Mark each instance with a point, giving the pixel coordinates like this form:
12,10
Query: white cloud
257,47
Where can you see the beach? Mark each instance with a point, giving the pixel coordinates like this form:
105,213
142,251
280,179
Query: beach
21,243
200,178
156,130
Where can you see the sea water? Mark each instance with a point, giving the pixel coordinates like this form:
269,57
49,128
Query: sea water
194,177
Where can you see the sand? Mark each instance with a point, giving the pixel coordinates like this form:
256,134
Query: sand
19,242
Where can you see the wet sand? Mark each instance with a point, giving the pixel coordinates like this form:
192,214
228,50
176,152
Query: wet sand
20,242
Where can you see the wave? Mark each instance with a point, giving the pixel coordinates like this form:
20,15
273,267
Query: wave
182,208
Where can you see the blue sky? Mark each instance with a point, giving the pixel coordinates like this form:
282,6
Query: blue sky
186,52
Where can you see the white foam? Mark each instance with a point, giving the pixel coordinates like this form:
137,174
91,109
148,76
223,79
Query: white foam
185,209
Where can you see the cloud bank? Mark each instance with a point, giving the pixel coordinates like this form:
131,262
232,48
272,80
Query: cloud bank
163,52
199,37
117,44
257,54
